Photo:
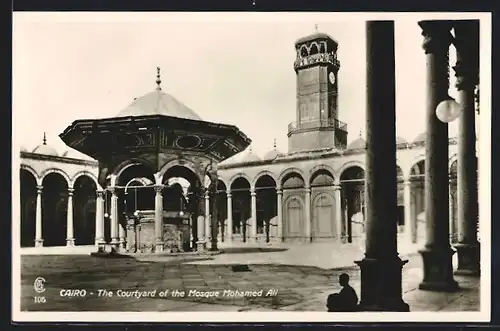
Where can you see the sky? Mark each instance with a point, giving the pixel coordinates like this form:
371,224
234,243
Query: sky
232,68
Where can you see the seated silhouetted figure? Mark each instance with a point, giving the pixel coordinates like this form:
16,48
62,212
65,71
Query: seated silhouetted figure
344,301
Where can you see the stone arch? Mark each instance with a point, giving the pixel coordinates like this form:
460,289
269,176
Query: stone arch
59,171
90,175
323,225
452,159
33,172
263,173
349,164
289,171
293,222
221,180
238,175
304,51
121,167
182,163
321,170
314,48
414,161
322,167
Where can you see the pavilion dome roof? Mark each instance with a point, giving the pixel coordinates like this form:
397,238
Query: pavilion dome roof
23,149
420,138
400,140
158,103
45,149
273,153
359,143
74,154
249,156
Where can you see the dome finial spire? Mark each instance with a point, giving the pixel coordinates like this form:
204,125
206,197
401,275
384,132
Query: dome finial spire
44,138
274,143
158,79
316,27
360,133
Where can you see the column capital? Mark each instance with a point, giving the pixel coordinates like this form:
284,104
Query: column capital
71,191
39,189
253,193
407,182
467,76
100,194
437,35
228,194
307,190
112,190
279,192
158,188
337,187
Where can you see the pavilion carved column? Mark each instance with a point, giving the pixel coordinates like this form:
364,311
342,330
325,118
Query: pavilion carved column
408,217
207,217
214,220
307,203
381,268
114,218
279,216
467,73
437,253
201,243
70,233
99,218
338,211
229,231
158,218
253,219
38,217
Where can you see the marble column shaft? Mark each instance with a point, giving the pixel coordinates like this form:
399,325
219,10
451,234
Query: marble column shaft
381,268
38,217
307,211
229,231
467,72
70,231
437,253
99,218
279,216
408,215
114,217
158,218
338,212
253,219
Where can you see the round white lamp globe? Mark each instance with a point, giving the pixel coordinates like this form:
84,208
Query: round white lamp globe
448,110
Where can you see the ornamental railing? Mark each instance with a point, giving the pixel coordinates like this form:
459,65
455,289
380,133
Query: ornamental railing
317,124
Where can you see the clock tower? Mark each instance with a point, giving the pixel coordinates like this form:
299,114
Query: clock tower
317,125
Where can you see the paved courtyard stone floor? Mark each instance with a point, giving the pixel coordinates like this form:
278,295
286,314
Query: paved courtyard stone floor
290,285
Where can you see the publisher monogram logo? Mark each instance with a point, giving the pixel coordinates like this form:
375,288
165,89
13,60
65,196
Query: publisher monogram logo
39,285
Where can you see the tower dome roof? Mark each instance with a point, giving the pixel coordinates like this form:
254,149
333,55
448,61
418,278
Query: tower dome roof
314,36
420,138
44,148
158,103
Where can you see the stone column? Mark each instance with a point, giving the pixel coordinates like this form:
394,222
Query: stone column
207,216
279,216
338,211
437,253
158,219
451,211
38,217
253,219
229,236
467,72
123,236
408,217
307,208
99,218
214,220
201,244
381,268
114,217
70,233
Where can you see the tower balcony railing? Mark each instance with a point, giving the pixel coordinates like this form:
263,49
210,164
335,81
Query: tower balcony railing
316,124
316,58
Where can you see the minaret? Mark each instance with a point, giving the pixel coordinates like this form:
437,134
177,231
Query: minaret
317,125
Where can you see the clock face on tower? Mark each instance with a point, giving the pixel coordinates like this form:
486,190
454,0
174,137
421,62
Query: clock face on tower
331,77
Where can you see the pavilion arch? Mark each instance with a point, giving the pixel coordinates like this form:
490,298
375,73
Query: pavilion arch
451,160
304,51
120,168
416,160
350,164
314,48
289,171
59,171
261,174
33,172
88,174
182,163
221,186
239,175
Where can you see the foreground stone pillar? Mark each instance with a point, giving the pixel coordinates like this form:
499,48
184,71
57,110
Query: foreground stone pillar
381,267
38,217
114,218
338,212
201,244
158,219
253,219
307,208
437,253
229,231
208,234
99,218
467,72
70,232
279,216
